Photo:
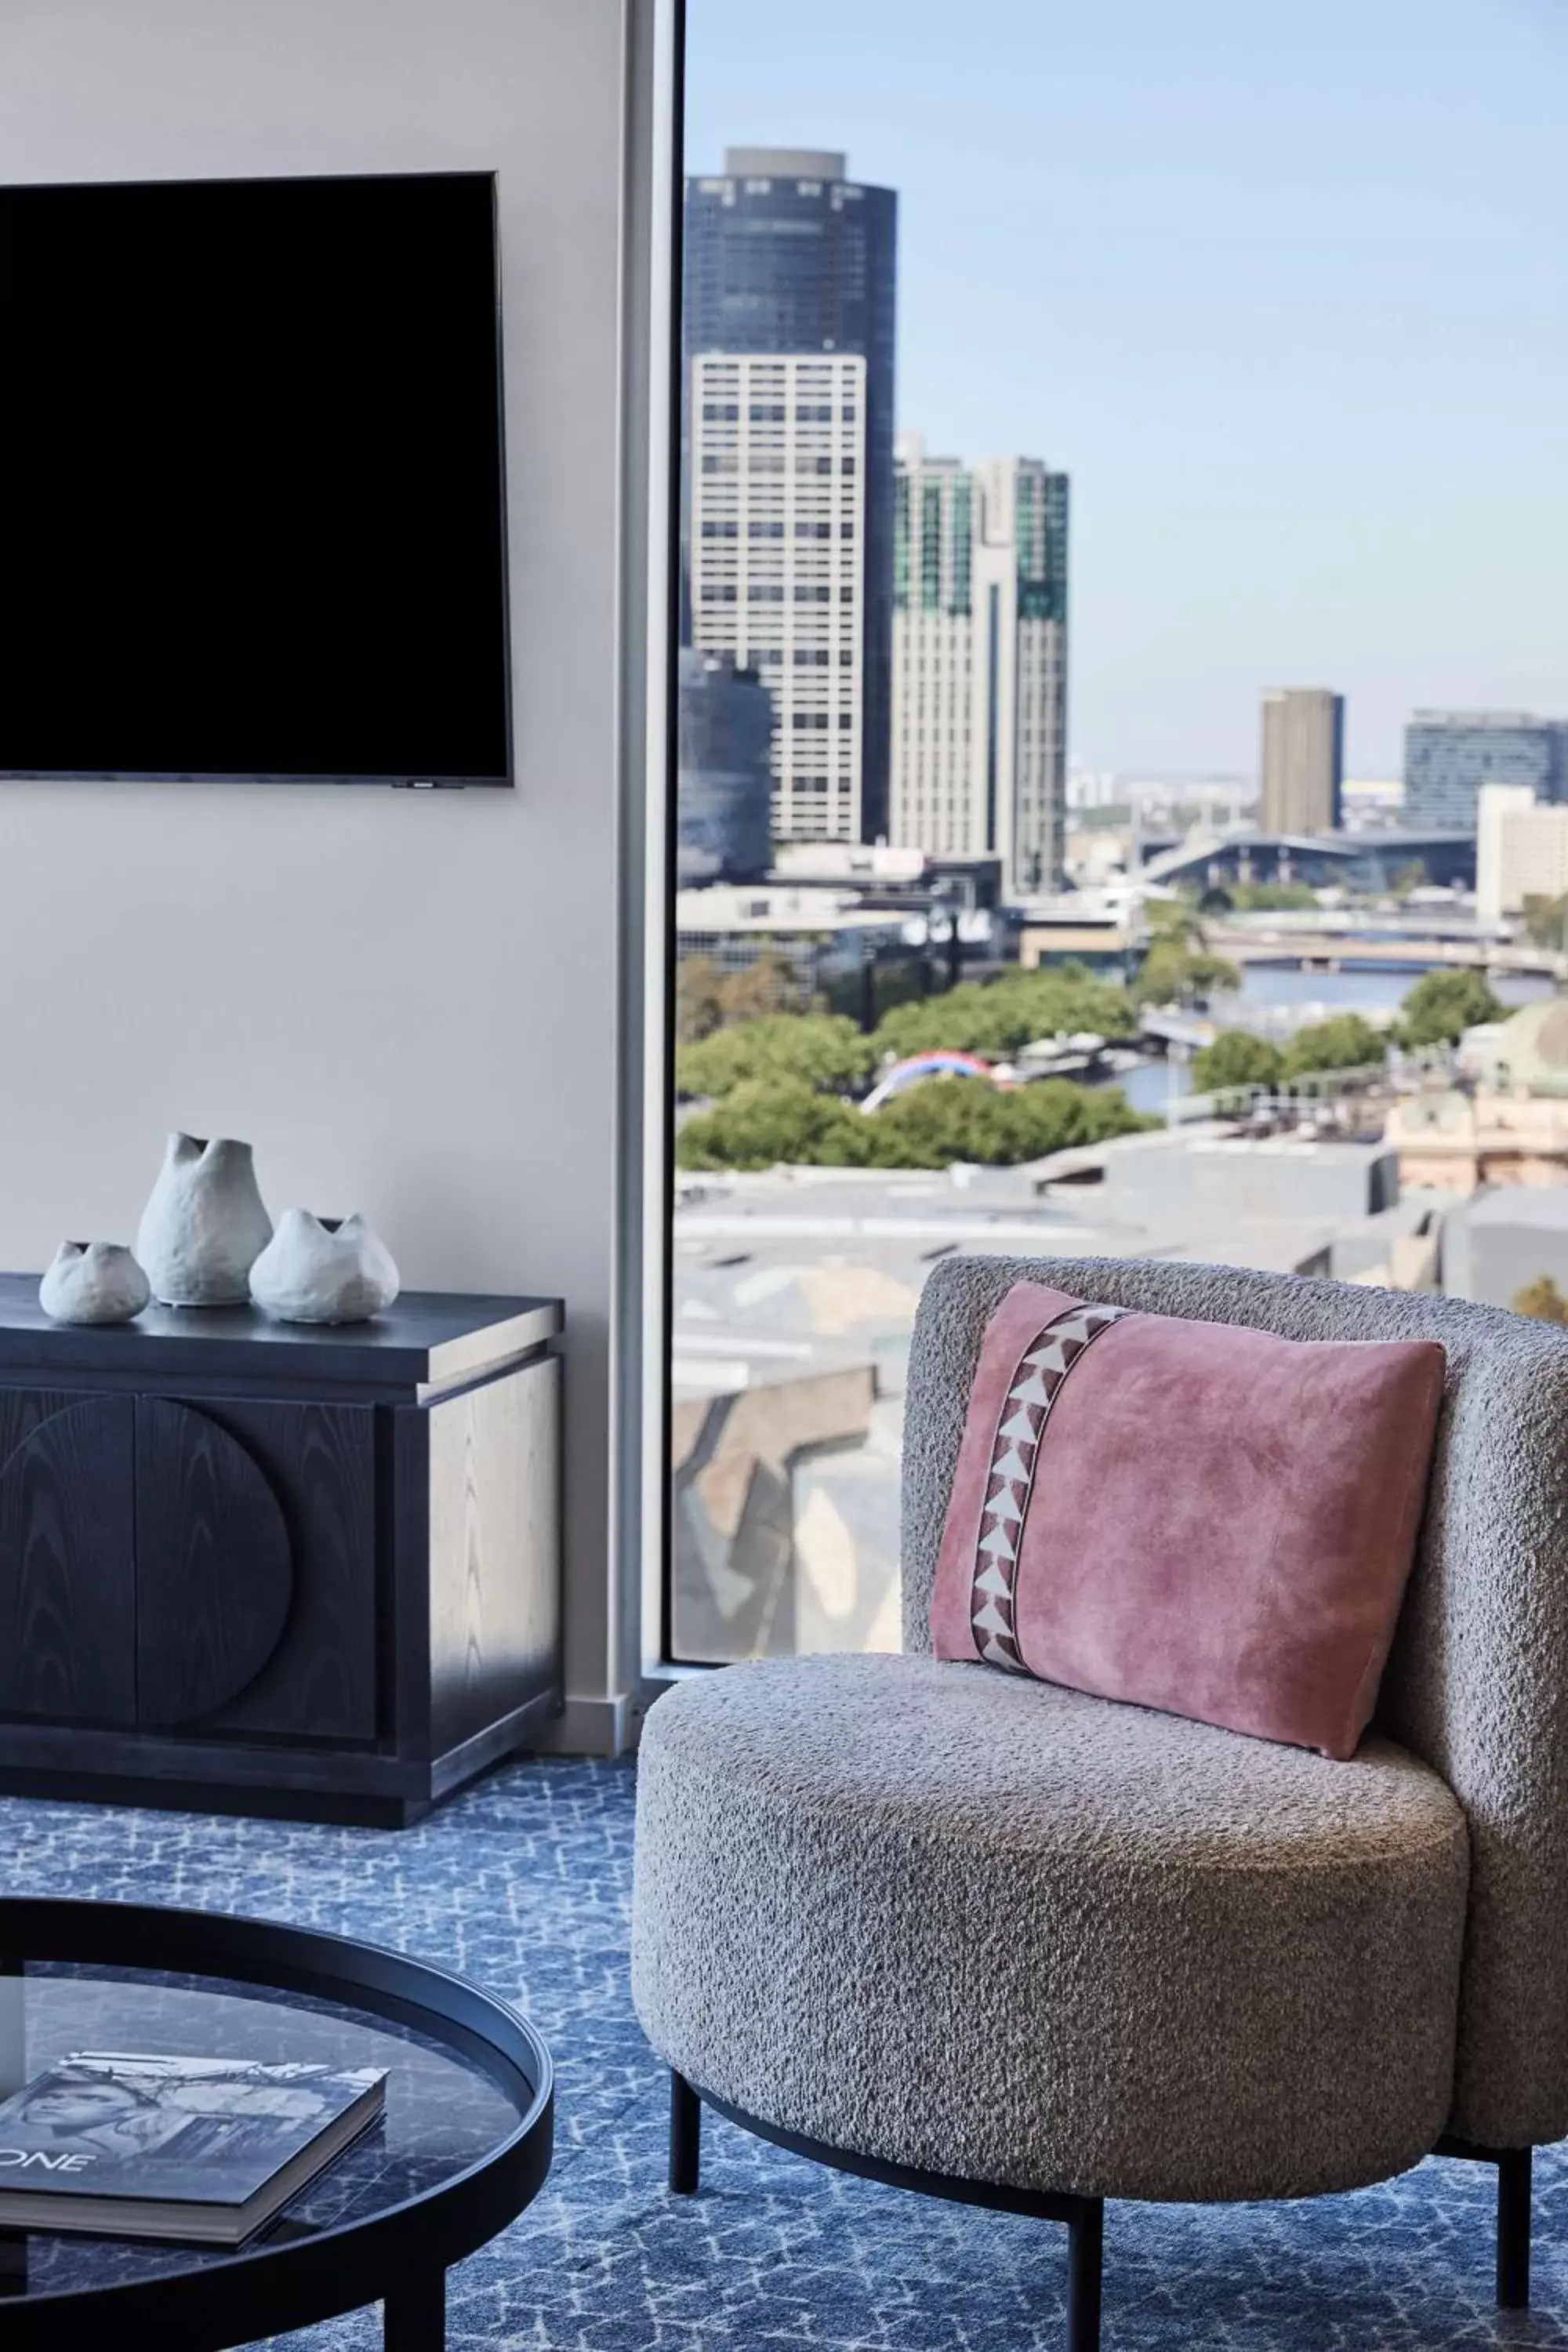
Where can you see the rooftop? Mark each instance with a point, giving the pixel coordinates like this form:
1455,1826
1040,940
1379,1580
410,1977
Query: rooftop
1467,718
785,163
804,1269
1544,1207
762,907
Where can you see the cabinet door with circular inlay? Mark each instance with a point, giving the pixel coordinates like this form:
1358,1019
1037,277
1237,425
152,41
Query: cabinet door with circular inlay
67,1566
215,1566
255,1528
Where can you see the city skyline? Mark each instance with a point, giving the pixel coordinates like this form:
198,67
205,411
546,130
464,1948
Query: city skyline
1282,298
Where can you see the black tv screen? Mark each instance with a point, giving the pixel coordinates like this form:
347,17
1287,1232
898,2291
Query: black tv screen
251,487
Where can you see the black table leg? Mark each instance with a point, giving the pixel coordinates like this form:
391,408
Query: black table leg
414,2316
1514,2229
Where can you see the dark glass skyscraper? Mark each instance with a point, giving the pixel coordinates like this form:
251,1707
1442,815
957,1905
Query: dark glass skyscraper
786,254
721,796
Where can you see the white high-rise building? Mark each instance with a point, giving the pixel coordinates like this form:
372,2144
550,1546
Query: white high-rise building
979,738
1522,850
777,562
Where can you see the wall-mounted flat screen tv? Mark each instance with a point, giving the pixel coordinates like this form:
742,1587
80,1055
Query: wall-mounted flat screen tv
252,519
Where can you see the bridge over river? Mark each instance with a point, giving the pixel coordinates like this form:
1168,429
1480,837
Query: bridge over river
1330,951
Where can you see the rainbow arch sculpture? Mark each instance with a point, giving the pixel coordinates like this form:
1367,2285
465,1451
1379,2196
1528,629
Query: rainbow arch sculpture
941,1062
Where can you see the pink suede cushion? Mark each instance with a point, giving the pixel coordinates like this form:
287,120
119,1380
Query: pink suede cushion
1193,1516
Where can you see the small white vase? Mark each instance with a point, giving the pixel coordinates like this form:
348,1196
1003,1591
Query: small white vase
323,1270
93,1282
205,1224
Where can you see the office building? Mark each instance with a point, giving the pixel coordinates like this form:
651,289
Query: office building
789,259
777,566
1522,850
724,781
1450,754
979,749
1303,760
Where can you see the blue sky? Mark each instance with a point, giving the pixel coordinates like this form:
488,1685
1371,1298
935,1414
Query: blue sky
1284,287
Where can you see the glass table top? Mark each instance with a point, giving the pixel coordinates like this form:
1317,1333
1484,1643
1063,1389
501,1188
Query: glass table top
445,2110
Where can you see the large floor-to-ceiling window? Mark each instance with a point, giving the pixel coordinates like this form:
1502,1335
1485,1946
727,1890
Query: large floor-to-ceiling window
1122,794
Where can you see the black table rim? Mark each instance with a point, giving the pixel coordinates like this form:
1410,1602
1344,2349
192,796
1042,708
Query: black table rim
291,2282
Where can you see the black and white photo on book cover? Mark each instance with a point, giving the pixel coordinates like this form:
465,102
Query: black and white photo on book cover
212,2130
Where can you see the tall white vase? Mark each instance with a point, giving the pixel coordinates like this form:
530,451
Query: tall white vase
205,1224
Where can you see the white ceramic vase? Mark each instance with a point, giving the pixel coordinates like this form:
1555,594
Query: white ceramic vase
93,1282
323,1270
206,1225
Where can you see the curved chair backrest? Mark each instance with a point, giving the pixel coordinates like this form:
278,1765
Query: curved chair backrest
1477,1683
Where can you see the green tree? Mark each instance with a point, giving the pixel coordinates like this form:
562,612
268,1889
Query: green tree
699,1007
1546,922
895,980
768,1122
707,997
822,1049
1443,1004
999,1017
1174,918
1177,968
1237,1058
948,1119
1542,1300
1274,897
770,984
1172,973
1344,1043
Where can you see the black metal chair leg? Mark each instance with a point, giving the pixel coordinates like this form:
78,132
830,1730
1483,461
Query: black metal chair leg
1513,2186
685,2136
1084,2246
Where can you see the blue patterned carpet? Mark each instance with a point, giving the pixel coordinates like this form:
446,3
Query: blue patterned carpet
523,1884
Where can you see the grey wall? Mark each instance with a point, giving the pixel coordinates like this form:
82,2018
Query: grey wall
408,1001
1497,1245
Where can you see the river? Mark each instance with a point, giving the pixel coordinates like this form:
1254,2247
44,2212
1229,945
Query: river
1269,989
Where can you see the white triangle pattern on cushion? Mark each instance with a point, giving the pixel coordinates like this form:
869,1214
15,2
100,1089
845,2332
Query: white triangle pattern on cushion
1037,1382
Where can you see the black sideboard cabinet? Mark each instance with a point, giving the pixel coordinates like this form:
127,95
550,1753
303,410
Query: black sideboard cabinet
249,1566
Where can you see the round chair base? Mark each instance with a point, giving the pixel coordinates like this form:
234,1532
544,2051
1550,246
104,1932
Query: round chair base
1085,2216
936,1918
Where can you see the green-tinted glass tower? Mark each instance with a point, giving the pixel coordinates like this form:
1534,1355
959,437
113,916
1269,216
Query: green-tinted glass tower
980,641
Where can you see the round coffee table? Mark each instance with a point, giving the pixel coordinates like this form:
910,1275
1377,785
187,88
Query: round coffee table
463,2147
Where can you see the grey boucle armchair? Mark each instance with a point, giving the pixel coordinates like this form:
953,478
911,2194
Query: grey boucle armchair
994,1940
